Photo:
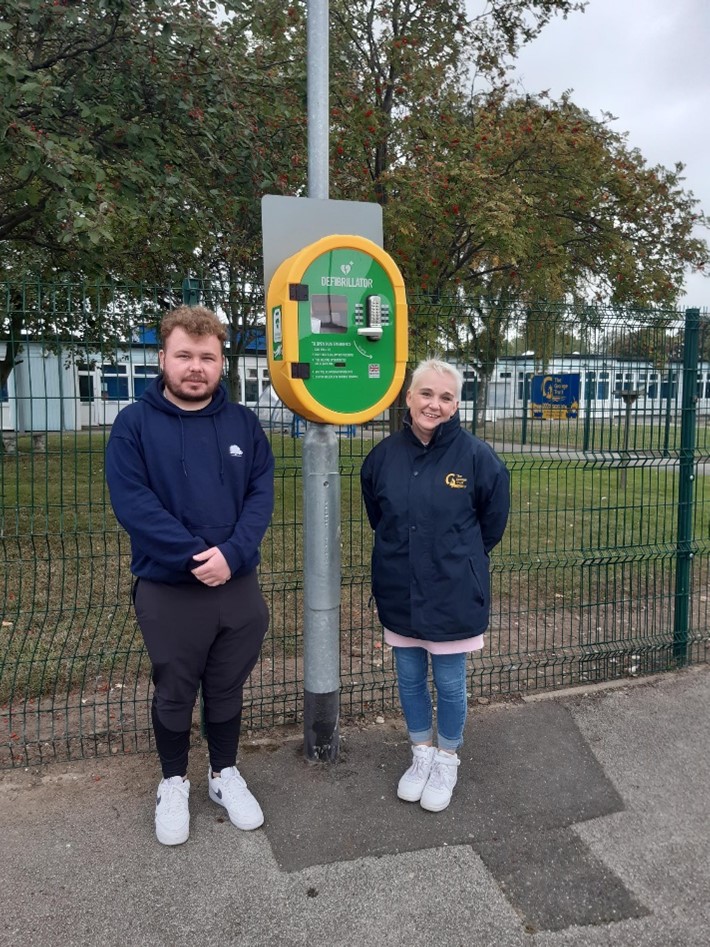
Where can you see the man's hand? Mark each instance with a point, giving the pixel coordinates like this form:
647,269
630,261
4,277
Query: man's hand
214,569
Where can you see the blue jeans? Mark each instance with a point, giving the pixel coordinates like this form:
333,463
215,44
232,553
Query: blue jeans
449,671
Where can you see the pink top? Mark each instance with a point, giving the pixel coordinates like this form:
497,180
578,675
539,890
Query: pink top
434,647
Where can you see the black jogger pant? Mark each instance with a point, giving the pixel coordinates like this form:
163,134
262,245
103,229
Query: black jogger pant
196,634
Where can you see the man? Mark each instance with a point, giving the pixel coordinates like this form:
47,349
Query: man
191,481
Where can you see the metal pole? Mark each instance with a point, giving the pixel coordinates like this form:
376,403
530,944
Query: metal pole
321,470
318,100
686,475
321,651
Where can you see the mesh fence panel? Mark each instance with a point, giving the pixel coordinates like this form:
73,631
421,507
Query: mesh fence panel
601,416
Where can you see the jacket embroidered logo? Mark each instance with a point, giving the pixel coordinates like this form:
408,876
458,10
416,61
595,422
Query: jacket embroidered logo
235,450
455,481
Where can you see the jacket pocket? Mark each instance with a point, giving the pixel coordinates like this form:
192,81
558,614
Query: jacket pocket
477,586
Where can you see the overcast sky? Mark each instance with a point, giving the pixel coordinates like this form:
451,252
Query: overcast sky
646,62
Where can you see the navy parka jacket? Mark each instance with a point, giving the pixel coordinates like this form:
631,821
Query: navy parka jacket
437,511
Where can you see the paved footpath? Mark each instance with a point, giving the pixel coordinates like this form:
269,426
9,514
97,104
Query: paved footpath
580,819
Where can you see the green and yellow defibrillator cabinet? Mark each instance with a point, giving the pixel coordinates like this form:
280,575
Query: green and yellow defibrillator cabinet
337,330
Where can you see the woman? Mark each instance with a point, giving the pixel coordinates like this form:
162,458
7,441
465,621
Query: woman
438,499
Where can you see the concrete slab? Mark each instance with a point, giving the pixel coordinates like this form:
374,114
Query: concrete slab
508,865
526,774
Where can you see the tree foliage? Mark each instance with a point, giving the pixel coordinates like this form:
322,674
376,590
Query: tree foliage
135,135
506,203
513,198
99,104
139,138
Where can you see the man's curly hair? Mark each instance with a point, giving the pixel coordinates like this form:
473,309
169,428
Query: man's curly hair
195,320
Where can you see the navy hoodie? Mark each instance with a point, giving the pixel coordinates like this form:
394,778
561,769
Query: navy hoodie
183,481
437,511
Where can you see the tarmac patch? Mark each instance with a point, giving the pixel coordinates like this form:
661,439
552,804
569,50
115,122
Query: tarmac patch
527,776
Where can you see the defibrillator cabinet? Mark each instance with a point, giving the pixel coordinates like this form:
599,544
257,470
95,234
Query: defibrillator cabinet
336,330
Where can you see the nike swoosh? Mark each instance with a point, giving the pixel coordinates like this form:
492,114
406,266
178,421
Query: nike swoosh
218,793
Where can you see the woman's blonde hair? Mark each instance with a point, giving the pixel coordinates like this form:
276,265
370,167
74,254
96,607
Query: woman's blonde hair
441,368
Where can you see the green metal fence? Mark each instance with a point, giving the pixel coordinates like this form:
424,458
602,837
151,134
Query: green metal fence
601,416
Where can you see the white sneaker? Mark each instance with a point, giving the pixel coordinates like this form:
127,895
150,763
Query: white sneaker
412,784
440,785
230,790
172,813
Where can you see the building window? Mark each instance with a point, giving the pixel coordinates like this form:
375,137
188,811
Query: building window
521,385
143,375
623,382
86,387
468,390
599,390
251,386
114,382
669,387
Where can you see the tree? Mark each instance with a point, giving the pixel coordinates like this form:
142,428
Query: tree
492,192
493,199
264,152
400,64
133,137
538,198
102,104
657,343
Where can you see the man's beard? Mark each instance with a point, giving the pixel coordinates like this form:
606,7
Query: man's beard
185,394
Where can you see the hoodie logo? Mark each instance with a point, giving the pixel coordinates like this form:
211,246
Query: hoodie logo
455,481
235,450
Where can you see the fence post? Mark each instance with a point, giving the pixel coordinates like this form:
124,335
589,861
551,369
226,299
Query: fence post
587,409
474,420
669,412
686,473
526,408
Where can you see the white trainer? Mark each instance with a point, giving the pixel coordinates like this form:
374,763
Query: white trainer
229,789
172,812
412,784
440,785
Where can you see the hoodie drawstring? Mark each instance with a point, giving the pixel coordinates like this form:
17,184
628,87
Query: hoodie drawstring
182,448
221,458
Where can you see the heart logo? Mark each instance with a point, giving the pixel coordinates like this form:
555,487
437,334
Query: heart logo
345,269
